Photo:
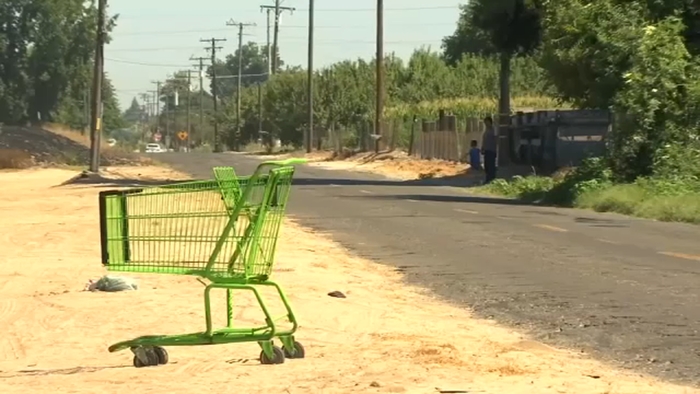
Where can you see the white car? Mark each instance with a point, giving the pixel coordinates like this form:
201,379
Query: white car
154,148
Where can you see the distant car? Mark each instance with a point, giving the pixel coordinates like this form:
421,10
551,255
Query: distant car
154,148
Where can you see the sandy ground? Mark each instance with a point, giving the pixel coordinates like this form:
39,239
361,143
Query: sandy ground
397,165
384,338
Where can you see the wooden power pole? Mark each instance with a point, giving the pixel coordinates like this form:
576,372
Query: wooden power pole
278,9
380,74
213,48
310,82
98,75
240,25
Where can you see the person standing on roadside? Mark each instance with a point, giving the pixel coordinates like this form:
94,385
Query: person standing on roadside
489,147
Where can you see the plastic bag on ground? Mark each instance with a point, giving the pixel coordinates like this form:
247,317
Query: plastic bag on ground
111,283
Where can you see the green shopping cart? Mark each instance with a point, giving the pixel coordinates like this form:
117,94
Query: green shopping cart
223,230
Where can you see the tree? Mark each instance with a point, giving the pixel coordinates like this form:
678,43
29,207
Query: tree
587,48
508,27
254,69
46,55
467,39
134,113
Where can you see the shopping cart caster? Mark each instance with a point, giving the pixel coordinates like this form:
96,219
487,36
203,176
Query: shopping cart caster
298,351
149,356
277,359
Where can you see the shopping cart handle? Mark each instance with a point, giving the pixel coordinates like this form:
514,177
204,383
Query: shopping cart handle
287,162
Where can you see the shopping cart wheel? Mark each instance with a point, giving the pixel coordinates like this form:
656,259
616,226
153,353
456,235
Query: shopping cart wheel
277,359
298,351
150,358
162,355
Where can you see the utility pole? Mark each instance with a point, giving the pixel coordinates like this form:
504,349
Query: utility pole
145,97
156,102
189,108
98,75
310,82
260,110
240,76
278,9
380,74
213,48
201,92
269,48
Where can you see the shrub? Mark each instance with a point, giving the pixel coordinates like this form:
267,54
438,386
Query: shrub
593,174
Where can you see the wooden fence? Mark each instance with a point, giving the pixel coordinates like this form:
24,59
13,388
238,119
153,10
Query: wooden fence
447,141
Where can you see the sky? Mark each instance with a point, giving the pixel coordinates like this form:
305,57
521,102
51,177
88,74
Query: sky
155,38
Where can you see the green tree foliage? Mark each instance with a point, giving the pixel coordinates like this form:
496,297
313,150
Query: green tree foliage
587,48
46,56
654,101
633,57
134,113
254,68
173,118
344,93
509,28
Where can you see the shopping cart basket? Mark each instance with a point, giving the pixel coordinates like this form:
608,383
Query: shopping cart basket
223,230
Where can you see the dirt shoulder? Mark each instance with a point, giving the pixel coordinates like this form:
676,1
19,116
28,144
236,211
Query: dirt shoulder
396,165
385,337
51,145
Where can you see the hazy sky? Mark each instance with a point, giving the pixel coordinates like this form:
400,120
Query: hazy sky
154,38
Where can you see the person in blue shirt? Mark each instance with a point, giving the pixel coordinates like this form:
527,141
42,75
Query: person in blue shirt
475,156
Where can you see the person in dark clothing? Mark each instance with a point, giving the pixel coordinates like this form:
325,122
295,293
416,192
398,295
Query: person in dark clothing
489,147
475,156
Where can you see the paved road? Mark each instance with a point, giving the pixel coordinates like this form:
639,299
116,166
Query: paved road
623,289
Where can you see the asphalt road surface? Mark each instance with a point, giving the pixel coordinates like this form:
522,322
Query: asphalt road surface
623,289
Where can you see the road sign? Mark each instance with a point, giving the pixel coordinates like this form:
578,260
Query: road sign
182,135
157,137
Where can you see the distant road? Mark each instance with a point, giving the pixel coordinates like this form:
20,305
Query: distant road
625,289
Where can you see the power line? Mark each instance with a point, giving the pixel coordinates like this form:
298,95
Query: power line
325,42
146,64
394,9
437,7
152,49
359,27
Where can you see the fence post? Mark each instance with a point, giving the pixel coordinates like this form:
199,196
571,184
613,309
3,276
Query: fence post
413,136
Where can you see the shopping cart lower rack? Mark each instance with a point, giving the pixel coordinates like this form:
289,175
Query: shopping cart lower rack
223,230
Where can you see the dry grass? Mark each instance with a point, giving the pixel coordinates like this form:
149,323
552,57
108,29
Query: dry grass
15,159
114,155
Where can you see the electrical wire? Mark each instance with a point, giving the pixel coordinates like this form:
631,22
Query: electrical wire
282,27
294,39
316,10
146,64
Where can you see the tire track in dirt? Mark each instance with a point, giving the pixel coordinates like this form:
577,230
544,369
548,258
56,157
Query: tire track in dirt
12,347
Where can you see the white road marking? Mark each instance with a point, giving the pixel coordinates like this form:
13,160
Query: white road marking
365,191
466,211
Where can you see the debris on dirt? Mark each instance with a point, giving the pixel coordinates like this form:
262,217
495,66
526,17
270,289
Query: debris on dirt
592,376
50,146
374,384
336,294
110,283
